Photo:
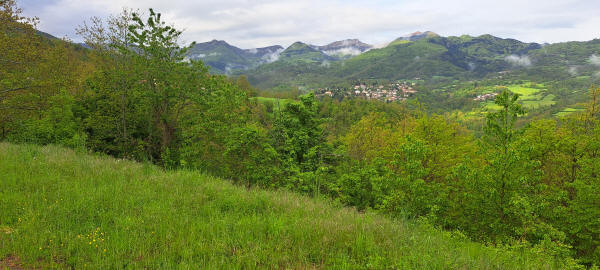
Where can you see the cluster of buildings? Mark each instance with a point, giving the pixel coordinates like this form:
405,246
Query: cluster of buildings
390,92
485,97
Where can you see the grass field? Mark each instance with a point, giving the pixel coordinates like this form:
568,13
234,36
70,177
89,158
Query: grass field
62,209
282,101
530,98
567,111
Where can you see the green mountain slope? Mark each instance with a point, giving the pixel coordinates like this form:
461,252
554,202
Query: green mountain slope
225,58
483,54
62,209
400,59
566,60
219,55
301,52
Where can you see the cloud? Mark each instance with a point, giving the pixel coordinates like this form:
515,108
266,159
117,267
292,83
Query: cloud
259,23
595,60
516,60
253,51
228,69
202,55
272,57
380,45
343,51
573,71
472,66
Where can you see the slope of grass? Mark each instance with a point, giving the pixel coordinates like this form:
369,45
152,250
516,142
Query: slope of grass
567,111
530,98
62,209
526,93
282,101
547,100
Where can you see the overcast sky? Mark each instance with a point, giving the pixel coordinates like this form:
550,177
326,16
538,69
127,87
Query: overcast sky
258,23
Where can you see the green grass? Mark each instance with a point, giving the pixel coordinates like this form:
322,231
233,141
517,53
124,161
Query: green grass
282,101
63,209
526,93
530,98
490,105
567,111
548,100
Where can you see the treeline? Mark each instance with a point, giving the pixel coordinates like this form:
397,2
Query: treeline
134,95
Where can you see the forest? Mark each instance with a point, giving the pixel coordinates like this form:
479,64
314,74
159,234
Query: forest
132,94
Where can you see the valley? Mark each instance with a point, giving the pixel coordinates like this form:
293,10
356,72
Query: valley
441,64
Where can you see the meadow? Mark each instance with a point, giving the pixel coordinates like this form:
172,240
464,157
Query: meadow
282,101
61,209
567,111
531,97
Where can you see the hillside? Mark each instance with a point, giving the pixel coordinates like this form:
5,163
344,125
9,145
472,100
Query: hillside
302,52
224,58
420,55
63,209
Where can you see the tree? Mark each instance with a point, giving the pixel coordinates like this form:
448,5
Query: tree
167,81
500,134
144,87
297,133
250,158
499,128
19,50
580,144
371,137
33,71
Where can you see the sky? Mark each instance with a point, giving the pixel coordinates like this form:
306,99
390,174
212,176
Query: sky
260,23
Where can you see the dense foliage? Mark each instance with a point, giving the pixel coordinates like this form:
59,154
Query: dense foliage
134,95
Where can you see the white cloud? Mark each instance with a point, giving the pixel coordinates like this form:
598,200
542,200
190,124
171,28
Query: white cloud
259,23
595,60
272,57
343,51
472,66
380,45
517,60
573,71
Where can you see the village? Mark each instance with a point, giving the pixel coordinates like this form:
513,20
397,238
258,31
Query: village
390,92
485,97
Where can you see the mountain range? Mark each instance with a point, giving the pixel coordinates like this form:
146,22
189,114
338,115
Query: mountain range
225,58
418,55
